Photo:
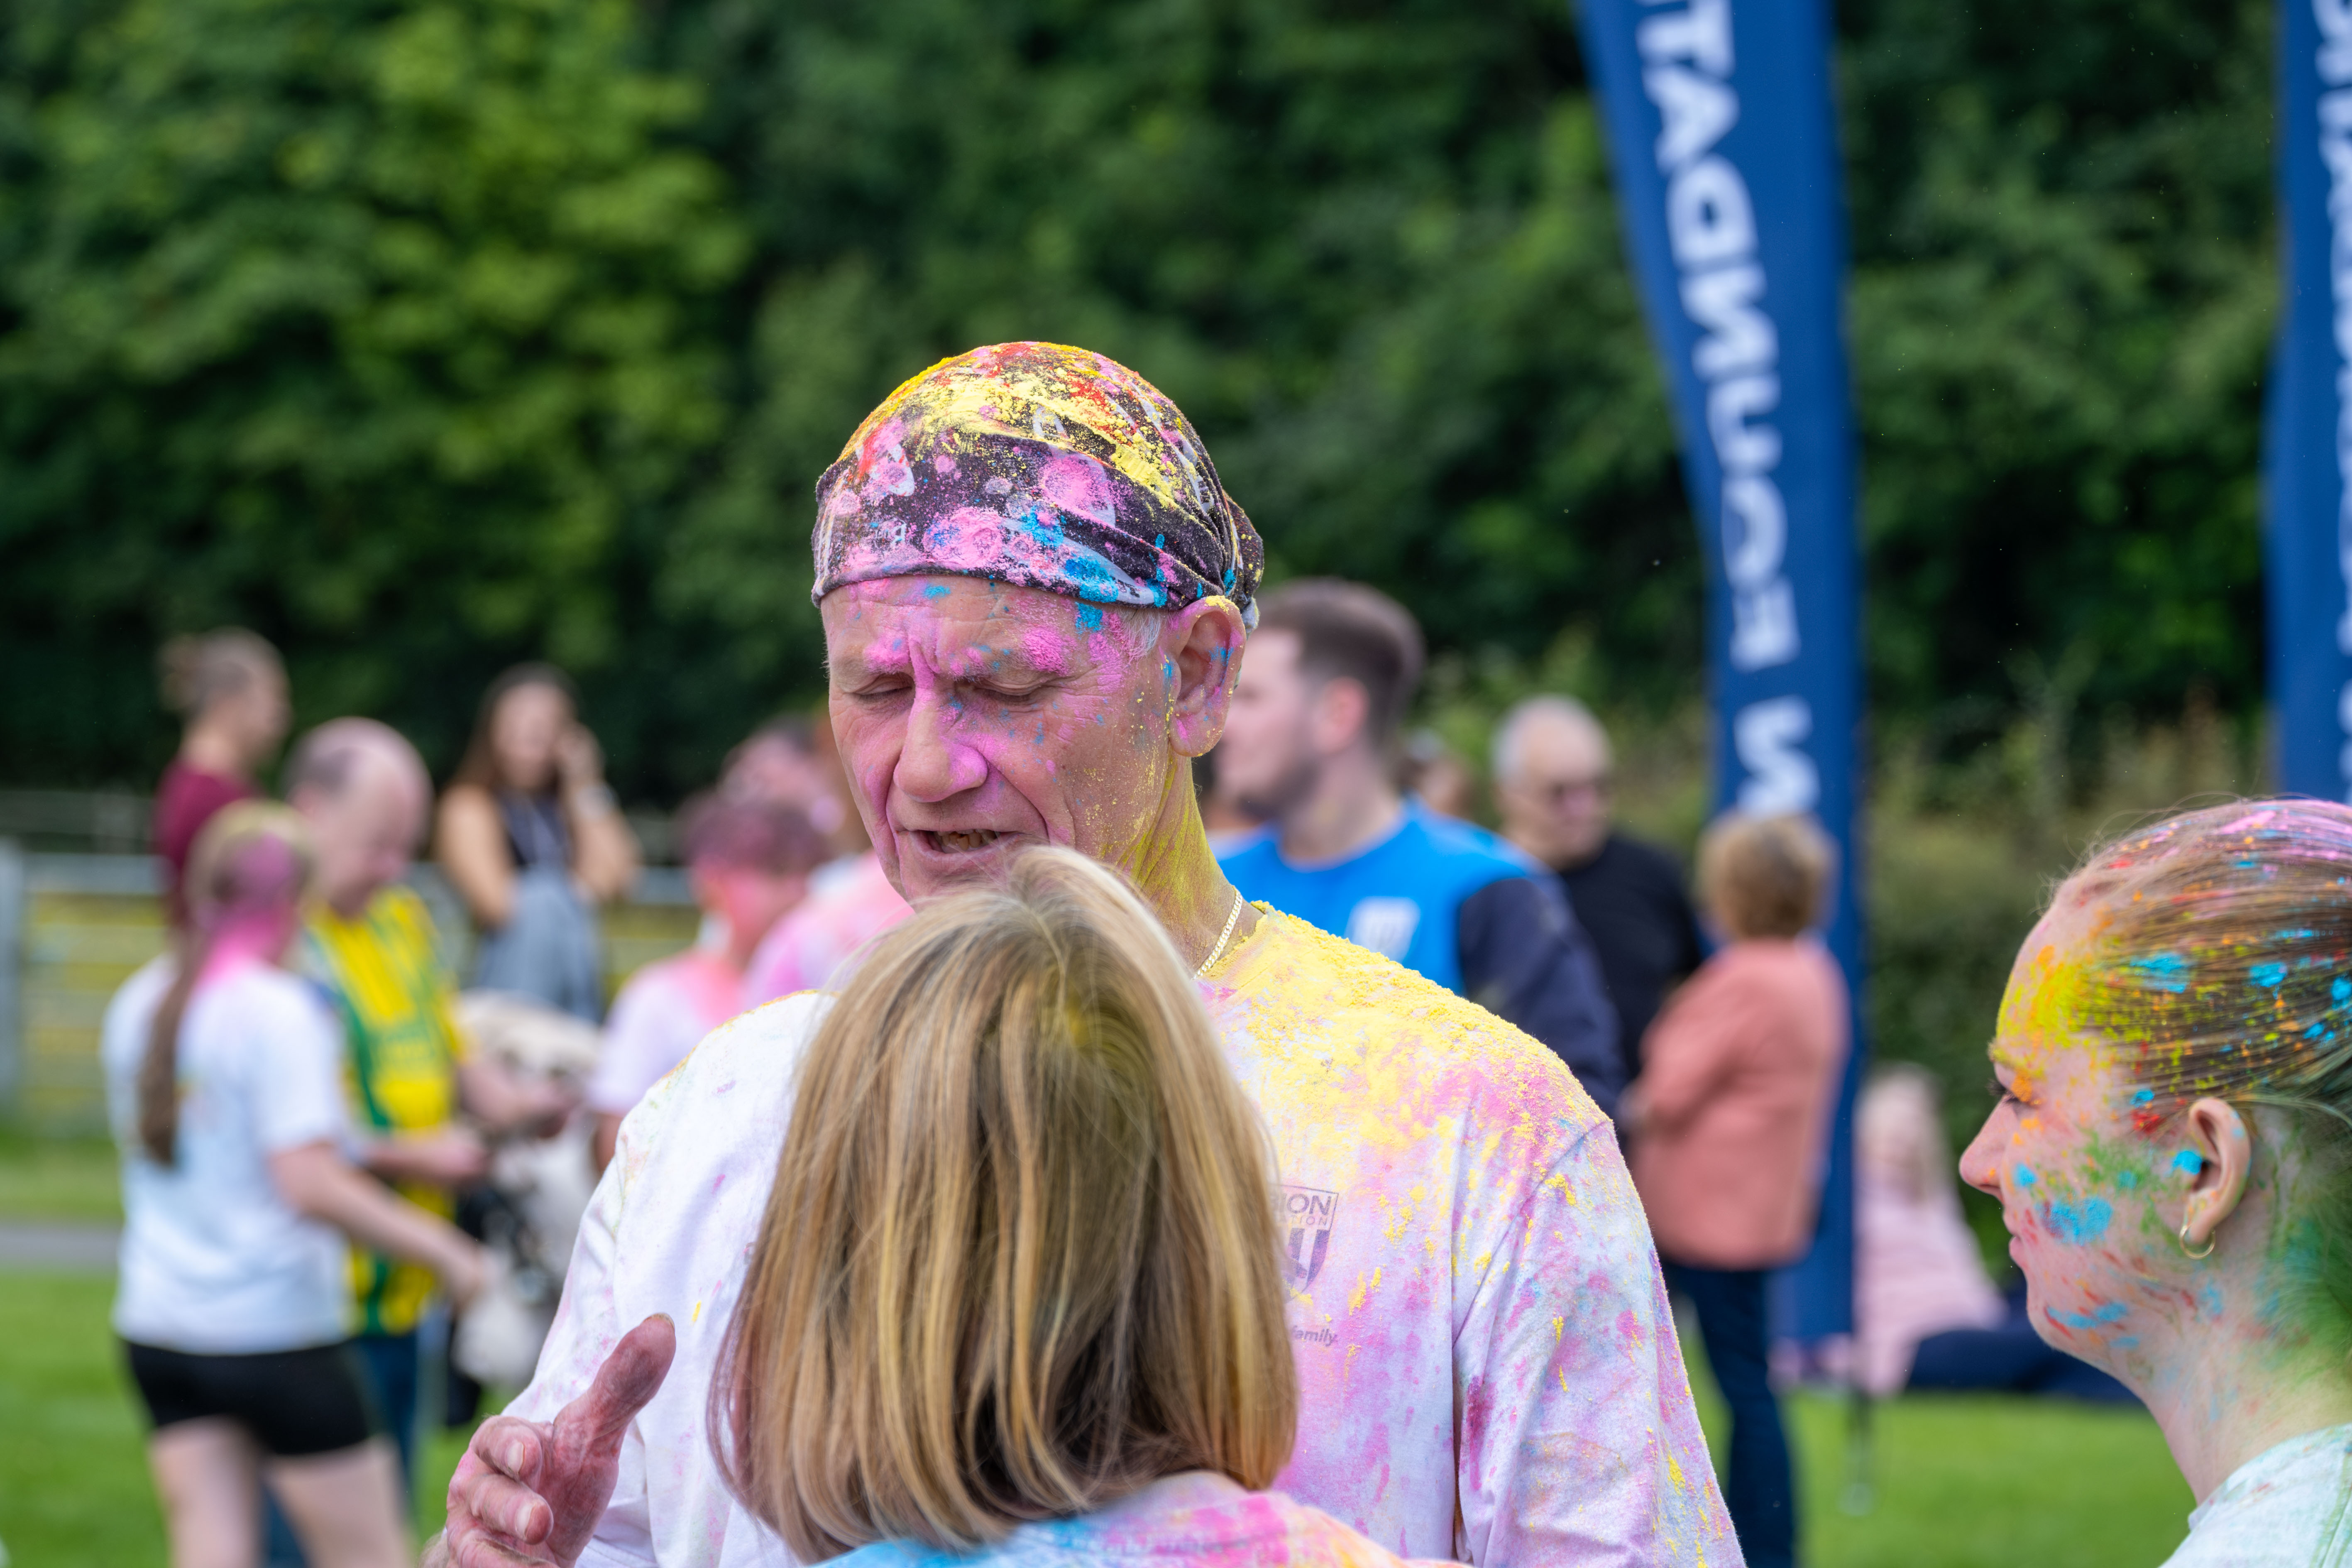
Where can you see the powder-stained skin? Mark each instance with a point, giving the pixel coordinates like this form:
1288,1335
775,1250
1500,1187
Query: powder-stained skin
2170,1150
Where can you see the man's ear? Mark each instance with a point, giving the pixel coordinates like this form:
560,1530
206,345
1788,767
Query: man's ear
1202,642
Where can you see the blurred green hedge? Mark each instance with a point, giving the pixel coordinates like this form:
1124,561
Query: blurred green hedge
423,335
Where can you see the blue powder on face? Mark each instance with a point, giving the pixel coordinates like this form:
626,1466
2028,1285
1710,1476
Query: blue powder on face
2080,1226
2112,1312
2025,1176
2188,1161
1090,617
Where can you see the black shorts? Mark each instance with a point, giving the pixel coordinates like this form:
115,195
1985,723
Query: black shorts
294,1402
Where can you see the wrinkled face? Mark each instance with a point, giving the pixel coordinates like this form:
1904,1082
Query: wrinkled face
365,832
2086,1173
1268,761
975,718
1555,806
524,733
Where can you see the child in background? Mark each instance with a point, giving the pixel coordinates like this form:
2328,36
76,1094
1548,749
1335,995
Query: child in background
749,862
225,1085
231,688
1020,1100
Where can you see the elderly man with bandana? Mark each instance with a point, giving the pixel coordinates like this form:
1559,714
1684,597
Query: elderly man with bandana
1036,594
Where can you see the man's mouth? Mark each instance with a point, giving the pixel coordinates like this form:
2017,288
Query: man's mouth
960,843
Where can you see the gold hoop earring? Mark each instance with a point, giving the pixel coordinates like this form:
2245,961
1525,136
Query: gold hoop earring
2185,1247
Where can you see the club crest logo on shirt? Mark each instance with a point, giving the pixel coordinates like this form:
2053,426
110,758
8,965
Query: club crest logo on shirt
1384,925
1307,1215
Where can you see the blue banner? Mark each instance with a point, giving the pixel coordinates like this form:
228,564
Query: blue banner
1722,136
2306,438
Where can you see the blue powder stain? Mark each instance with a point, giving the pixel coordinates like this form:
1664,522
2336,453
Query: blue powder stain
935,591
1090,617
2025,1176
2341,991
2125,1342
2128,1181
2143,1096
2269,975
2080,1225
2188,1161
1231,578
1158,542
2112,1312
2165,971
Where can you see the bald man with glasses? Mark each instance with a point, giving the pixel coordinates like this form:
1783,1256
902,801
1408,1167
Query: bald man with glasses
1554,783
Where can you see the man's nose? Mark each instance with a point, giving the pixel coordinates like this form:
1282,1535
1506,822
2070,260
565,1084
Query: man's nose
934,764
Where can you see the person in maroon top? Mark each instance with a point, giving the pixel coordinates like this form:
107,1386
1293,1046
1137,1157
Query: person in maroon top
230,687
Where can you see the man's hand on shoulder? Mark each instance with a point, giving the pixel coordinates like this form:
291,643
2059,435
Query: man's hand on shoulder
532,1491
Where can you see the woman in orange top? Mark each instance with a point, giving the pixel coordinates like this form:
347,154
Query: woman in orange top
1727,1122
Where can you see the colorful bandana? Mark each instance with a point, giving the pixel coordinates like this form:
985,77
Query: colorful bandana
1043,466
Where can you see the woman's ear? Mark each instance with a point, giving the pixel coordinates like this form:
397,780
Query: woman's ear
2216,1161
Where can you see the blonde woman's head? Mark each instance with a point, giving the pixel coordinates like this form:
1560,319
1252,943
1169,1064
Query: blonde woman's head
1763,877
1020,1259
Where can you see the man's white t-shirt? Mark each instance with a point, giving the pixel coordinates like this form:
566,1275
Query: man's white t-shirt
214,1262
1488,1368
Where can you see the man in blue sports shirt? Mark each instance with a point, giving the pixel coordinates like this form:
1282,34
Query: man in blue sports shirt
1324,686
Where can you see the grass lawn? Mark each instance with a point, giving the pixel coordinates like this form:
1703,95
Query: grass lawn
58,1179
1958,1483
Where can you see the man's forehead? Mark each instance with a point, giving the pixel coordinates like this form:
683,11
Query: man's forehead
973,624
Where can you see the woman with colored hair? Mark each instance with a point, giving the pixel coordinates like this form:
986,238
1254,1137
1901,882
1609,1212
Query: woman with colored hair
1018,1292
2173,1156
532,841
225,1079
1727,1123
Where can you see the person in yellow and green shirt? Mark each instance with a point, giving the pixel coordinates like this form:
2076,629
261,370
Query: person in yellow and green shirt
369,945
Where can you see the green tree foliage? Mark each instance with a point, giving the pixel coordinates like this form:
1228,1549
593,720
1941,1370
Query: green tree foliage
427,334
371,324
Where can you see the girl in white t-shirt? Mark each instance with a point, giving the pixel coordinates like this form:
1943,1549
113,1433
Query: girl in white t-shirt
225,1079
1018,1291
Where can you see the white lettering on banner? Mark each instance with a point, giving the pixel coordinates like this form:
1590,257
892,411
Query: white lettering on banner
1769,737
1711,229
2334,63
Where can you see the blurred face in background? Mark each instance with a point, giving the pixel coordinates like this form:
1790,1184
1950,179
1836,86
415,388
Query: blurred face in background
254,714
749,900
366,831
1555,803
975,717
772,768
526,735
1278,731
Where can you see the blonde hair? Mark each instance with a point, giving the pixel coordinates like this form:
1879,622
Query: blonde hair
253,859
1020,1259
1766,876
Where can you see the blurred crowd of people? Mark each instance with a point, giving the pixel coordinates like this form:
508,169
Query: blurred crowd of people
319,1039
1354,1150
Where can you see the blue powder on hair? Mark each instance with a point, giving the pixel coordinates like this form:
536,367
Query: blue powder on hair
2165,971
2188,1161
2268,975
2341,991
